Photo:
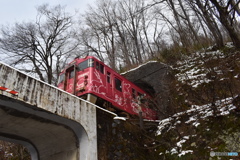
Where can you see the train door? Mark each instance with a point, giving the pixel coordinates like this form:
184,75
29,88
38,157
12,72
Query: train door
69,84
109,88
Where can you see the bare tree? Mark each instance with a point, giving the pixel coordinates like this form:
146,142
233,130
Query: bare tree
100,26
41,47
180,28
201,8
109,33
187,17
128,32
122,32
132,23
226,12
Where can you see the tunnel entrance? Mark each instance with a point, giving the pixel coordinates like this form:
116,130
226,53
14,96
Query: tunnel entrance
145,86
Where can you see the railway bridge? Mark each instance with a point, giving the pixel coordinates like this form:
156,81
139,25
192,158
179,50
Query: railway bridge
49,122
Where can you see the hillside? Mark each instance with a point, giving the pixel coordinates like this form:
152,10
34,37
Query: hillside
205,95
208,86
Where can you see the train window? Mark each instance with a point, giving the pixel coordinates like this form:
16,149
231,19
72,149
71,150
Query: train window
118,84
71,74
61,78
97,65
133,93
85,64
141,98
100,67
108,77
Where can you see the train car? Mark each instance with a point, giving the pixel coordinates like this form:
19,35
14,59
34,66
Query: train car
94,81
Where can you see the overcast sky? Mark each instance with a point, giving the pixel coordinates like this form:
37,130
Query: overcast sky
12,11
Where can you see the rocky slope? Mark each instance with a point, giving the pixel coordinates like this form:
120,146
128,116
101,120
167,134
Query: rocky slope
205,95
208,127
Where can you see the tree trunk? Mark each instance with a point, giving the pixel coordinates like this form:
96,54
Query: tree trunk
212,25
188,21
225,19
180,30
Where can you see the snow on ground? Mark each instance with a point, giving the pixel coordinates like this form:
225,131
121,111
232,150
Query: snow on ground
192,70
196,113
184,152
223,108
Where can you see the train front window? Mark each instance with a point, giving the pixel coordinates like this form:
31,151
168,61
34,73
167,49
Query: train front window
71,74
61,78
85,64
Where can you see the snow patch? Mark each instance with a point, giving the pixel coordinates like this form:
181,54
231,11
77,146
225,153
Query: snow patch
192,70
185,152
120,118
139,67
223,107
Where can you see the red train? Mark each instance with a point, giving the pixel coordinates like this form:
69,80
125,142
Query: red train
91,79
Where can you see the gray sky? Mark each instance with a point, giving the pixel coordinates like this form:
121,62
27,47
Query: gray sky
12,11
